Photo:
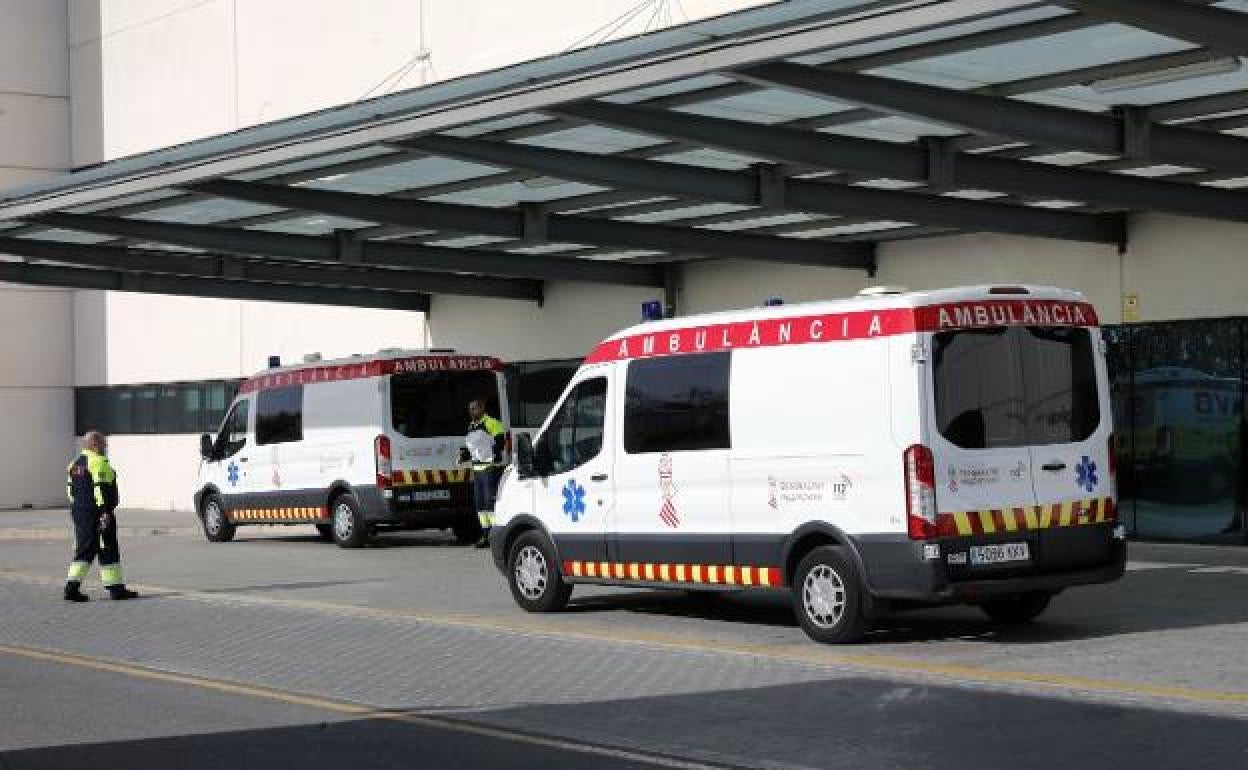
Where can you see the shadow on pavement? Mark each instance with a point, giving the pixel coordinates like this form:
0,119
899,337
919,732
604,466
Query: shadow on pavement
1152,600
860,723
377,744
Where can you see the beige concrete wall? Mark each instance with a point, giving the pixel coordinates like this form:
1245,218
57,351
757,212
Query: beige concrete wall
1179,268
151,73
156,472
36,348
136,338
36,395
572,319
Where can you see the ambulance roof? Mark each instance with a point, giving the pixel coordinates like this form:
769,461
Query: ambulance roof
906,299
382,355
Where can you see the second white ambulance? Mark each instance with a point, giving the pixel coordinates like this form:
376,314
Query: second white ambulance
897,449
353,446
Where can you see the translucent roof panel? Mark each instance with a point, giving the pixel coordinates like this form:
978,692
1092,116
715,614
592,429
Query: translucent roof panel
595,139
1187,88
312,164
685,86
721,159
767,106
312,225
420,172
130,200
502,124
68,236
686,212
1077,49
208,211
893,129
537,190
948,32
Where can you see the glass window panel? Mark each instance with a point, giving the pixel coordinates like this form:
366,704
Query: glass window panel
677,403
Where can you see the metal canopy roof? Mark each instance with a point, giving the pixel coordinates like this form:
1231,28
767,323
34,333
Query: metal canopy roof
800,132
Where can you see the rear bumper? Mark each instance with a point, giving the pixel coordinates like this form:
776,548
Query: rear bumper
418,507
898,568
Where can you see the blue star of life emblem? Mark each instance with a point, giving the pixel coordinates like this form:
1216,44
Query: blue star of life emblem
231,474
1085,474
574,500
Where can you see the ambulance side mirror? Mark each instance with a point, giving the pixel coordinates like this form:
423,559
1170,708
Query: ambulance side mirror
524,456
205,447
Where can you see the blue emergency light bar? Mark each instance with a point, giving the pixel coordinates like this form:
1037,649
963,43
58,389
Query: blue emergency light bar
275,361
652,310
773,302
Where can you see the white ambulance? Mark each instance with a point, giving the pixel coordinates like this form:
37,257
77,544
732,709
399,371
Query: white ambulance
352,446
895,449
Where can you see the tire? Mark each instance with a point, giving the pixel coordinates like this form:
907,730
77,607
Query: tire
828,596
347,520
533,574
217,526
325,532
467,532
1017,609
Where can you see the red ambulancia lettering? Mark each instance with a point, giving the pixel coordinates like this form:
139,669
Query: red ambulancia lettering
853,325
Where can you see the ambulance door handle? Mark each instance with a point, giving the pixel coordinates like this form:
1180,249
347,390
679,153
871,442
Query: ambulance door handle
242,459
598,477
1054,467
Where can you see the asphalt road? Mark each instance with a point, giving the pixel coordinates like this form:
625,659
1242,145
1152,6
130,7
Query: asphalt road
279,650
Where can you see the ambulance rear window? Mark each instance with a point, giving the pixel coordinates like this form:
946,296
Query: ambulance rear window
428,404
1015,386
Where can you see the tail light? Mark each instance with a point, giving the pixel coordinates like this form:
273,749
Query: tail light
920,492
385,468
1111,502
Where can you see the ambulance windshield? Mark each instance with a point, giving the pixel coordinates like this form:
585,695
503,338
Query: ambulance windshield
427,404
1015,386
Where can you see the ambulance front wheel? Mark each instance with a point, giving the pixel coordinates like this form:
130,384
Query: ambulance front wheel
828,596
533,575
217,526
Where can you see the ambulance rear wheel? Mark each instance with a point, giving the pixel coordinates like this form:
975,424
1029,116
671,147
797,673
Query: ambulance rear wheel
217,526
1017,609
350,529
533,575
828,596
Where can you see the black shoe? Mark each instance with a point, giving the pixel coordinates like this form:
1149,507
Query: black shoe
121,592
73,592
484,542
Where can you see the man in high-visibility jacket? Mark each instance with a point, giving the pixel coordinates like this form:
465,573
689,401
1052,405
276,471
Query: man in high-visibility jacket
483,447
93,496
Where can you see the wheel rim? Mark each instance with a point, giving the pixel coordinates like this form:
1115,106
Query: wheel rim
532,574
344,521
823,596
212,519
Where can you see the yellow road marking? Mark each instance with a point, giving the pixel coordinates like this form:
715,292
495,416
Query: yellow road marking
809,653
352,709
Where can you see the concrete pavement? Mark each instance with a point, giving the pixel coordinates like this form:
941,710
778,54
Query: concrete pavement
1152,667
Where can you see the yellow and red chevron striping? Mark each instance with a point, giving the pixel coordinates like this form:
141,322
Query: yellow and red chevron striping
731,575
1071,513
423,478
279,514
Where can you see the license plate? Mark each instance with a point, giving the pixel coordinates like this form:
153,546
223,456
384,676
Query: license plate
428,495
1001,553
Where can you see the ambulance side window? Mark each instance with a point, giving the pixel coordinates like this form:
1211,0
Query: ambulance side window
574,435
234,430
